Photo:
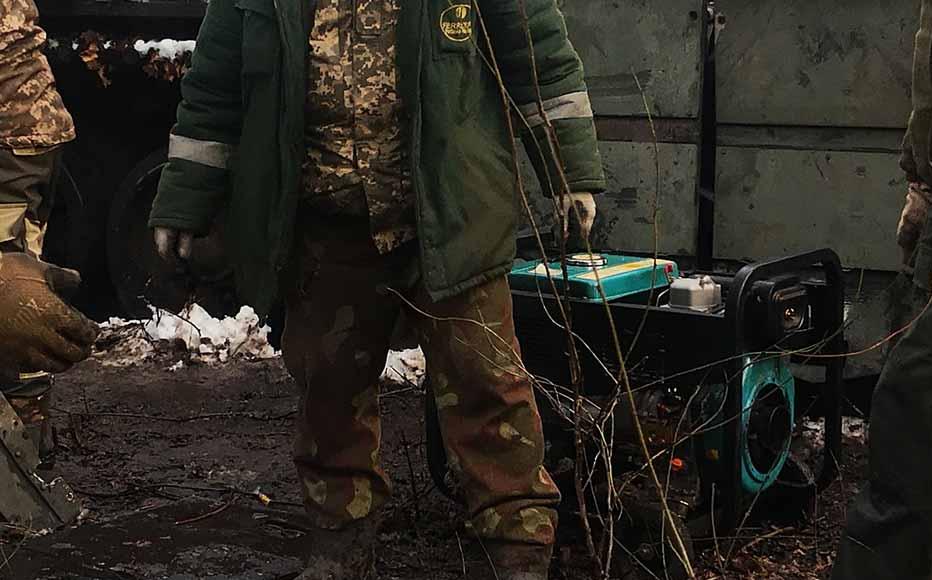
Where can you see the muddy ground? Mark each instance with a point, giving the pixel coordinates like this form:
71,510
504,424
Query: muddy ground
169,463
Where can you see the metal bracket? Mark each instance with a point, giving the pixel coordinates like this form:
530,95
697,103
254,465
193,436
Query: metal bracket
27,500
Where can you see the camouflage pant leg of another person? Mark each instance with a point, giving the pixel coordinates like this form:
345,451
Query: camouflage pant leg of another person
27,182
335,343
488,416
889,527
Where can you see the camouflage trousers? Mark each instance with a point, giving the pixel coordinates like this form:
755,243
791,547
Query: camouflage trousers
341,312
27,181
888,535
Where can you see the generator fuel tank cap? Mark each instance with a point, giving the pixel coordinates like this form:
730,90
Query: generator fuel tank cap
587,260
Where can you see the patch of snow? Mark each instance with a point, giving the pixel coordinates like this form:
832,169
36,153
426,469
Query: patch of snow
406,366
208,337
851,428
205,338
167,48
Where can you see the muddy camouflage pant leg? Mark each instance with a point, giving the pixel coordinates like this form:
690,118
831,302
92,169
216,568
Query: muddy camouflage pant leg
27,182
889,529
488,416
339,322
335,344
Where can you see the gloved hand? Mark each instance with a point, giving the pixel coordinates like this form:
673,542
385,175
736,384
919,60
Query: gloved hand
38,331
913,219
584,212
173,244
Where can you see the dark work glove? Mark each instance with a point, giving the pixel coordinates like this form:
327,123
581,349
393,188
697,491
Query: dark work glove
38,330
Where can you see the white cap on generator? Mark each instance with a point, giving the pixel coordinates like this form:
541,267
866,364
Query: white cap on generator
697,293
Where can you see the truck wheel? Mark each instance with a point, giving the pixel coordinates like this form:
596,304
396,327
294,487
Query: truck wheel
139,276
141,279
130,250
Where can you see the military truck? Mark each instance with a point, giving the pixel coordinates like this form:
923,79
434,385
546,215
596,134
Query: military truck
774,128
122,92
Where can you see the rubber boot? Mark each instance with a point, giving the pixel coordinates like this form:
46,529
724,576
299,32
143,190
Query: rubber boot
344,554
31,398
509,561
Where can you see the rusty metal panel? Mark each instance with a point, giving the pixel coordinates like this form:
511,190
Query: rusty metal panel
773,202
624,221
825,62
661,42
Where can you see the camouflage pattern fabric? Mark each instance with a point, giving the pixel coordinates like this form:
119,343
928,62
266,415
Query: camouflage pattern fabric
912,220
356,163
339,321
32,114
27,184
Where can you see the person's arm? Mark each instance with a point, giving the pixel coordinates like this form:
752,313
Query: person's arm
915,159
203,141
558,95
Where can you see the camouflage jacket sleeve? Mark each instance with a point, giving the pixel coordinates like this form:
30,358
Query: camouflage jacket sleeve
917,149
559,94
195,182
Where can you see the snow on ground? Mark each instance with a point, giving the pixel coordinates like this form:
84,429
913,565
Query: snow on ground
167,48
208,340
406,366
204,338
851,428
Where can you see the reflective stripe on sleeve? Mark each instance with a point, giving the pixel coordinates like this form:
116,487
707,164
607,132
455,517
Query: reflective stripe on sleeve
209,153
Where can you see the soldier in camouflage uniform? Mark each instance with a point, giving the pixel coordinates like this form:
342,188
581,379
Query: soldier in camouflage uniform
33,125
889,527
360,225
367,227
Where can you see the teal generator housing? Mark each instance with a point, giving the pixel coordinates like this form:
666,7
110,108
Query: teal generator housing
620,276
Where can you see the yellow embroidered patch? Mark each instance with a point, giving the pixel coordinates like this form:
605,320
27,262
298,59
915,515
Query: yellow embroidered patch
456,22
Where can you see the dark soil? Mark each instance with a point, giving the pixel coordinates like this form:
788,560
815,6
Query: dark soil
170,466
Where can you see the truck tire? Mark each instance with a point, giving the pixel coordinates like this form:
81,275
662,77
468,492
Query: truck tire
130,250
141,279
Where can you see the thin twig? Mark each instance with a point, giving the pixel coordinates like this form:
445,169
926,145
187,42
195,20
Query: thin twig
210,514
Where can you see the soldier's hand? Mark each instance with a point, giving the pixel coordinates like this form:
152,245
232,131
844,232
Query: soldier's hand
173,244
582,206
913,219
38,330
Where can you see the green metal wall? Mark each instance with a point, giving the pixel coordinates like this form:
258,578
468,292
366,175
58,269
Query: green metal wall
661,45
812,99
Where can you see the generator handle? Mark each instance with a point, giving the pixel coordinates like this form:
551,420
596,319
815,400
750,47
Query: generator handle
746,278
735,311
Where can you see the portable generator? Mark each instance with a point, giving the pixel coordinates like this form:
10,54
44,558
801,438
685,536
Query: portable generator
712,361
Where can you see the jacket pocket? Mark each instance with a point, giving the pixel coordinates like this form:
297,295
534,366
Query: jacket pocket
454,28
261,46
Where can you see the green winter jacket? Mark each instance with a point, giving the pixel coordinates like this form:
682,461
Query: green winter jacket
238,143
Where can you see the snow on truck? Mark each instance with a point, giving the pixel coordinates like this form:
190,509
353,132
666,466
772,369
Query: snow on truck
773,135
